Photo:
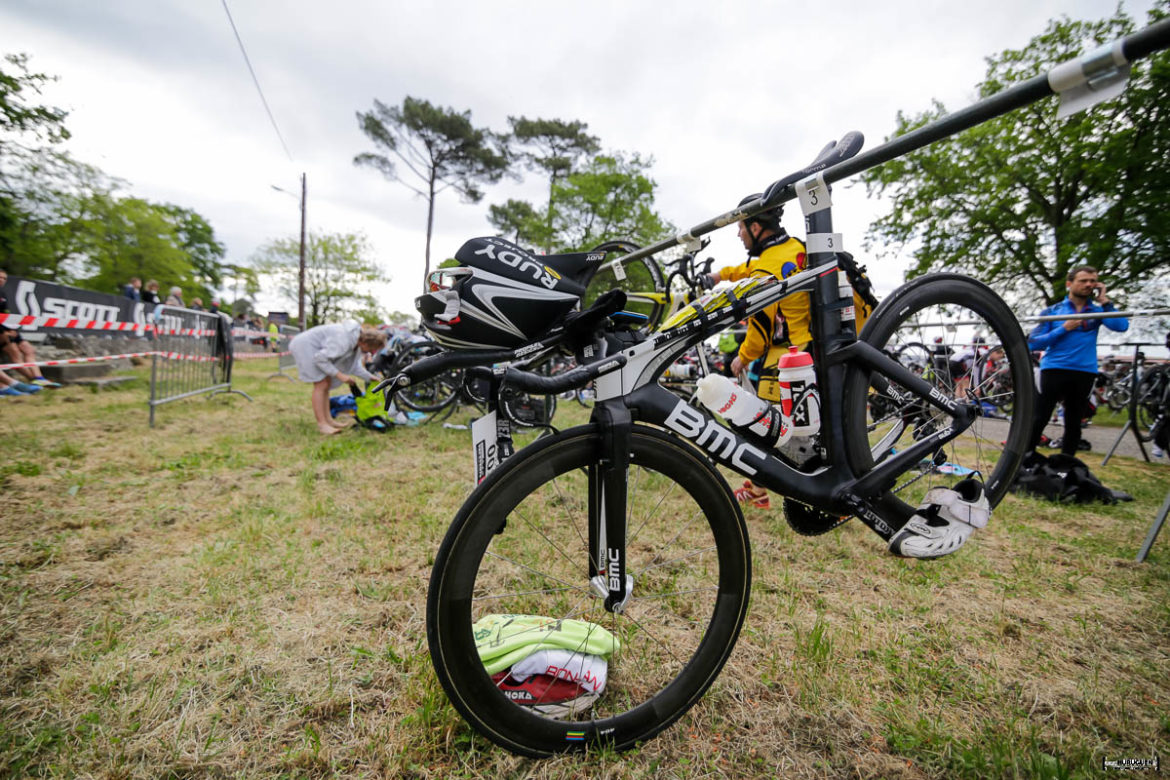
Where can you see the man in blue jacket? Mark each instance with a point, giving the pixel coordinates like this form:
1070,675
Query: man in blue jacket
1068,368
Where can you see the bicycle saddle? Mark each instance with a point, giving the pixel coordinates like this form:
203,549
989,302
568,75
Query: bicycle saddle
833,153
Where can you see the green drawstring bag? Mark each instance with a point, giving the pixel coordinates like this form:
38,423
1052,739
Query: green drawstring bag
371,410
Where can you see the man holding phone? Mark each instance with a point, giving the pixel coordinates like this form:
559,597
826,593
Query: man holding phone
1068,368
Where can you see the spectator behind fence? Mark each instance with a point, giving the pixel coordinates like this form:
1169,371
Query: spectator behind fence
150,292
329,355
197,304
175,298
214,308
133,289
1068,368
13,347
257,335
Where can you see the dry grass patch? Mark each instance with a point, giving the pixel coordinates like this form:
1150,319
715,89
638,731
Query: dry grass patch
231,595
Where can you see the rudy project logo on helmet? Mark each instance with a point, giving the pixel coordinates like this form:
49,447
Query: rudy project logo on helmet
540,273
497,311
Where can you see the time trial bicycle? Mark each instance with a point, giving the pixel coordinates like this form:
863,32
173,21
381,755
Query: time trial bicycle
627,526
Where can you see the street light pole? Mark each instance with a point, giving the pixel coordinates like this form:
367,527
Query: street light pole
301,277
301,265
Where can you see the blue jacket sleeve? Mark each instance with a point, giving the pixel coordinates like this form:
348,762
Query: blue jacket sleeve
1047,333
1119,324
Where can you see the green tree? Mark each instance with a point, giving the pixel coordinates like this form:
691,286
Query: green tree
439,147
196,237
64,220
553,146
243,282
24,124
611,197
338,274
127,237
18,115
519,221
1021,199
49,201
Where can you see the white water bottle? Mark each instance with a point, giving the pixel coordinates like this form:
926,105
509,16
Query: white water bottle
743,409
800,401
845,290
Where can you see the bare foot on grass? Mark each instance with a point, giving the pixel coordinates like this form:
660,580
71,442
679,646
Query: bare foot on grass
328,430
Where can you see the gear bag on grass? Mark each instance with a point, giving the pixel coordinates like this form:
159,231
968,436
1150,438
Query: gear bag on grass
370,410
1063,478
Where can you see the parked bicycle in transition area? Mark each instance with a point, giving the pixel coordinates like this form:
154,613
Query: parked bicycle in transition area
620,541
669,289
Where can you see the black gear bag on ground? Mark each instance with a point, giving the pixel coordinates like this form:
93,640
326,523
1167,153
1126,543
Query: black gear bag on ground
1063,478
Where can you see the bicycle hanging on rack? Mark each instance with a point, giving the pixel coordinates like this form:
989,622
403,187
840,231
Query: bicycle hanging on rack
627,526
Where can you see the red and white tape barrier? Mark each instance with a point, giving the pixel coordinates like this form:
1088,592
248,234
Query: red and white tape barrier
68,361
255,355
44,321
164,355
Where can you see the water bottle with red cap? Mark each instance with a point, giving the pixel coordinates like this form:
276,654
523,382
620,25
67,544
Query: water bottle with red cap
744,410
800,400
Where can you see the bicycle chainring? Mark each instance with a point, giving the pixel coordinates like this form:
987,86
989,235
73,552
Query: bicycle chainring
807,521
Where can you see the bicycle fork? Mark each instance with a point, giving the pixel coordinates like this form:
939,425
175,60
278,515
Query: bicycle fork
608,488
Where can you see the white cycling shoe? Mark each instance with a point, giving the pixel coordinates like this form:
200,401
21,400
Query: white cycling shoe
944,520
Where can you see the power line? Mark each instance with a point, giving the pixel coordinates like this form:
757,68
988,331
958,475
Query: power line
256,81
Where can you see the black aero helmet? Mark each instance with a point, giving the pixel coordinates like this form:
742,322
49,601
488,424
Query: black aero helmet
499,297
769,218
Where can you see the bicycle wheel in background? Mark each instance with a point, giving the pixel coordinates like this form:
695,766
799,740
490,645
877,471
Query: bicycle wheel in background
915,356
1119,390
876,424
430,395
519,546
1151,397
639,276
529,411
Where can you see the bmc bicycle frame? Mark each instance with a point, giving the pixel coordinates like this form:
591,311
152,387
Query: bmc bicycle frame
632,392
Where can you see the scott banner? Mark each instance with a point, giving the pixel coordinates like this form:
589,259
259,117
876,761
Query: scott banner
36,298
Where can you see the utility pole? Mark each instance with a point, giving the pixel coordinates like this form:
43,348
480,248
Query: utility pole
301,267
301,278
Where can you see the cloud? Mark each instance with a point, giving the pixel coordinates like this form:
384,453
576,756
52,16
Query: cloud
726,97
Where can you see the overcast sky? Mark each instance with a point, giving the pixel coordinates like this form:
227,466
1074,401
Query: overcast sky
725,96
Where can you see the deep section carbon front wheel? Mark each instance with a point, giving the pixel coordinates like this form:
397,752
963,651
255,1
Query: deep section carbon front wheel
520,546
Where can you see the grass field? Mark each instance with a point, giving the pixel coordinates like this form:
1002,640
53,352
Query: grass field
231,595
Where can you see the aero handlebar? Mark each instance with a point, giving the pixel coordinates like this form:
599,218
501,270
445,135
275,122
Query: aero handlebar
434,365
551,385
478,363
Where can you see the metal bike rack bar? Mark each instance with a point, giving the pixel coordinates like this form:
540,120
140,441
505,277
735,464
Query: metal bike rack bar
1131,423
1154,529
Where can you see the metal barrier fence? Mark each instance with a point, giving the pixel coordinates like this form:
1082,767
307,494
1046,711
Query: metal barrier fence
285,362
192,356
